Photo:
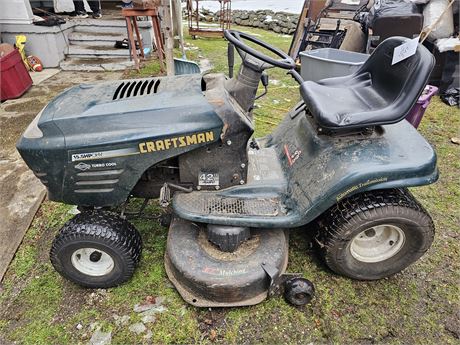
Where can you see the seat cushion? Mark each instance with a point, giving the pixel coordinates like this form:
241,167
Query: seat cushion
378,93
341,102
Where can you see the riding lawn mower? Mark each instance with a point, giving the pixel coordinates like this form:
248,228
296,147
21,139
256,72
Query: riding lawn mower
338,166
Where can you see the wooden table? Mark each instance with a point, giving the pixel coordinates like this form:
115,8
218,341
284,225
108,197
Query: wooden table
130,15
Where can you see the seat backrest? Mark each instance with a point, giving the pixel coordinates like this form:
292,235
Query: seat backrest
401,83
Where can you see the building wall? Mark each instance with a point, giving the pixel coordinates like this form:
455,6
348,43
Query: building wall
15,11
50,44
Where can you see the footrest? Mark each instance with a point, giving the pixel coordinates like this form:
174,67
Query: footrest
208,203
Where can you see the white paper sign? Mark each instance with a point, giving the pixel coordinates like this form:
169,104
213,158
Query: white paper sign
405,50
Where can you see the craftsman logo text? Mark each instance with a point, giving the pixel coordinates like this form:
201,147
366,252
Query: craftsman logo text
173,143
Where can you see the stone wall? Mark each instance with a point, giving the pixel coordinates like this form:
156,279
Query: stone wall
280,22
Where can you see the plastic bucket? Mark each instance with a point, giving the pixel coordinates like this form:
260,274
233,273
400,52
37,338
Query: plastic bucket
415,115
329,62
14,77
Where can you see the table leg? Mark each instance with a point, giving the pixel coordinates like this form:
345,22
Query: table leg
141,46
133,43
158,41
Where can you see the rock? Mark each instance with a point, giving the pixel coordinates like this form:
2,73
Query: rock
93,326
100,338
153,311
151,308
79,326
268,19
139,308
122,321
285,22
148,335
149,319
137,328
273,24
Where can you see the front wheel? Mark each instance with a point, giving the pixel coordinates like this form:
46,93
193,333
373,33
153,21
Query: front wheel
374,234
96,250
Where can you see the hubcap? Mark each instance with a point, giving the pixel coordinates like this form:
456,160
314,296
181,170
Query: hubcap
92,262
378,243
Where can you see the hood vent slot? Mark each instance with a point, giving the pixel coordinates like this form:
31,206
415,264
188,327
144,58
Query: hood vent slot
135,88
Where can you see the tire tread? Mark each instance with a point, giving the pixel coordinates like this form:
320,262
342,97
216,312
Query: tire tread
335,223
115,231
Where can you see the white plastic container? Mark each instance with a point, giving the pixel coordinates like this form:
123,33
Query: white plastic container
329,62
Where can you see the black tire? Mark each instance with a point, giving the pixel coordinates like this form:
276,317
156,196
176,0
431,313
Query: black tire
298,291
104,232
391,210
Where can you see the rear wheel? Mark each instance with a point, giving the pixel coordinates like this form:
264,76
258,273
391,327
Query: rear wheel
374,234
96,249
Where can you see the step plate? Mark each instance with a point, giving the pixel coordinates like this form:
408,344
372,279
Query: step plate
206,203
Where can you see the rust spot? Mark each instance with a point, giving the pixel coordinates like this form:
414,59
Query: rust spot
224,131
218,102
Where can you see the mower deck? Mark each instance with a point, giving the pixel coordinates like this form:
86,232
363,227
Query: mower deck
208,277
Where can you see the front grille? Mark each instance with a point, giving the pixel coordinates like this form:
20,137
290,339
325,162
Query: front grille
101,181
135,88
200,203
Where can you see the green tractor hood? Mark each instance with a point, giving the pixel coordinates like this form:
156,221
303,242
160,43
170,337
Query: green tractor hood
115,123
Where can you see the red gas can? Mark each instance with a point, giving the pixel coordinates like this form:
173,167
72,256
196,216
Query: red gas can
14,77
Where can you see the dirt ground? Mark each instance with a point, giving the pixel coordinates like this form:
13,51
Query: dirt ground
420,305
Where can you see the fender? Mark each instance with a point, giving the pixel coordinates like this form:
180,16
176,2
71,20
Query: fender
317,171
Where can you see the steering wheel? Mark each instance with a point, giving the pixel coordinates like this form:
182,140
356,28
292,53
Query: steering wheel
236,38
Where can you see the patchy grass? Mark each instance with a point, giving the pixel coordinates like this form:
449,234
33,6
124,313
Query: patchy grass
419,305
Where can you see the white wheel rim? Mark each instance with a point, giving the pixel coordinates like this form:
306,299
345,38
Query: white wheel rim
378,243
92,262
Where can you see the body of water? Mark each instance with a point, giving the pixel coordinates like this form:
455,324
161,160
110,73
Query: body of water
292,6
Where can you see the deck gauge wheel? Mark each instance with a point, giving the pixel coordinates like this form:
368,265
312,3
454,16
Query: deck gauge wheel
298,291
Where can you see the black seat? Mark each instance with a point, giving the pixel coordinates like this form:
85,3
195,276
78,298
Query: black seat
376,94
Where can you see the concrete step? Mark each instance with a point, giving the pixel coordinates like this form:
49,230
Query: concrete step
95,51
96,64
95,39
107,26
